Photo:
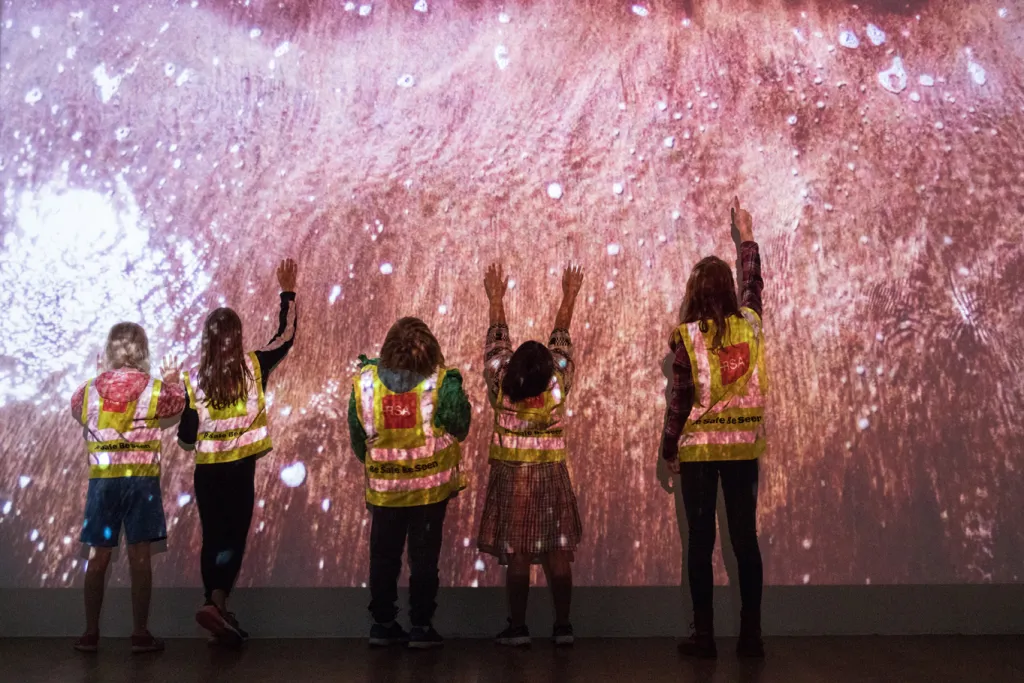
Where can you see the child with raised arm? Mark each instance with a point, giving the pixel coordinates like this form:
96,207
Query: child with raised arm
122,411
407,415
530,513
717,407
225,423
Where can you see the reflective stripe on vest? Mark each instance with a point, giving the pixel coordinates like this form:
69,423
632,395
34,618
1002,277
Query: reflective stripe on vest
235,432
530,431
409,461
727,419
123,442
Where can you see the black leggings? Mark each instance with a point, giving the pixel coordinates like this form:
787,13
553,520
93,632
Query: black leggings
700,494
225,493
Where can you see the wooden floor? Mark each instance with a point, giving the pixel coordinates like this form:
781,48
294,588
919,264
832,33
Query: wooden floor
790,660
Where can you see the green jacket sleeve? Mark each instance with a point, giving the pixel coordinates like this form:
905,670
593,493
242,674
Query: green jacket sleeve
454,414
356,433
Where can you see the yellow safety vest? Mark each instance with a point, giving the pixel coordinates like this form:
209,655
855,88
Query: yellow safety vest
235,432
730,385
409,461
122,442
530,431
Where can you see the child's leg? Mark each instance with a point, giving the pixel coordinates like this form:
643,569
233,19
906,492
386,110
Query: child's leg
558,569
387,540
95,583
517,585
426,523
142,586
101,531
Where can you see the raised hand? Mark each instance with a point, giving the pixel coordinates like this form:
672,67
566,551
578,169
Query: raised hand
170,369
572,280
742,221
287,273
495,282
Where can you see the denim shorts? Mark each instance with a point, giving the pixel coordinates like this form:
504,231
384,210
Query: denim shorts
133,502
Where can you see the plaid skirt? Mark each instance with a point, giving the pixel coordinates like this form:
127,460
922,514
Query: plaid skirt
531,509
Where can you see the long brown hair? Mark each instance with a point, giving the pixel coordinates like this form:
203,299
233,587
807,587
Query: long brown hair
411,346
711,295
223,374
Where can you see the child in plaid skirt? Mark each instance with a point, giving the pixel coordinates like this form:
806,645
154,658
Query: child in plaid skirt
530,513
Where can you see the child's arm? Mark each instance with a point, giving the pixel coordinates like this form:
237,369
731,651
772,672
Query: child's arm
498,346
454,413
356,433
281,343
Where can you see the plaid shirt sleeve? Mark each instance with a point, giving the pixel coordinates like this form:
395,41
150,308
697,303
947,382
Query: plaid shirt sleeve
680,404
497,353
750,262
76,403
171,401
560,345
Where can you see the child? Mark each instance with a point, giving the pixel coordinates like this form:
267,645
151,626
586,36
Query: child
225,423
530,515
122,411
407,415
719,357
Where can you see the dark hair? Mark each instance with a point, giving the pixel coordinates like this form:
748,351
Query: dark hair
529,372
711,295
223,374
411,346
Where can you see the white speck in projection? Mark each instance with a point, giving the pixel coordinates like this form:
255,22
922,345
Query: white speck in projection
442,309
504,18
807,544
640,10
349,6
479,565
791,120
849,40
169,69
386,268
406,81
66,540
7,507
421,6
927,80
807,578
914,97
335,293
511,283
255,33
325,504
613,249
122,133
364,10
282,49
863,423
894,79
939,125
617,188
875,35
465,542
662,106
24,481
293,475
184,499
1003,12
33,96
501,57
108,84
36,32
34,535
977,72
321,563
555,191
676,215
669,142
820,104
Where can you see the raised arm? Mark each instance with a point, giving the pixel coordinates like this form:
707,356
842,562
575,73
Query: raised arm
498,345
560,343
750,258
281,343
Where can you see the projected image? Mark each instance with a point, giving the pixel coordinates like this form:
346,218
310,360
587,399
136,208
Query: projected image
158,159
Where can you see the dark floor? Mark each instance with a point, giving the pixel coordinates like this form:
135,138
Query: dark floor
790,660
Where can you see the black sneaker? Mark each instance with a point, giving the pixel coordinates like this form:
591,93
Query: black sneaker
424,638
514,636
383,635
563,635
231,619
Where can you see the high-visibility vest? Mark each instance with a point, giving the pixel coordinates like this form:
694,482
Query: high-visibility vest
730,385
530,431
235,432
123,439
409,461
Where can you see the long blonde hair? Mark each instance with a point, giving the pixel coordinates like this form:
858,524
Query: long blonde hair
127,346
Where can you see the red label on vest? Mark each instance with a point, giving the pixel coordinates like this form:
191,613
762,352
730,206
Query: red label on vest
399,411
734,362
534,402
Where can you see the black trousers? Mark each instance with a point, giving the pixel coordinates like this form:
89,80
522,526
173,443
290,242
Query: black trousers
225,493
422,524
700,494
